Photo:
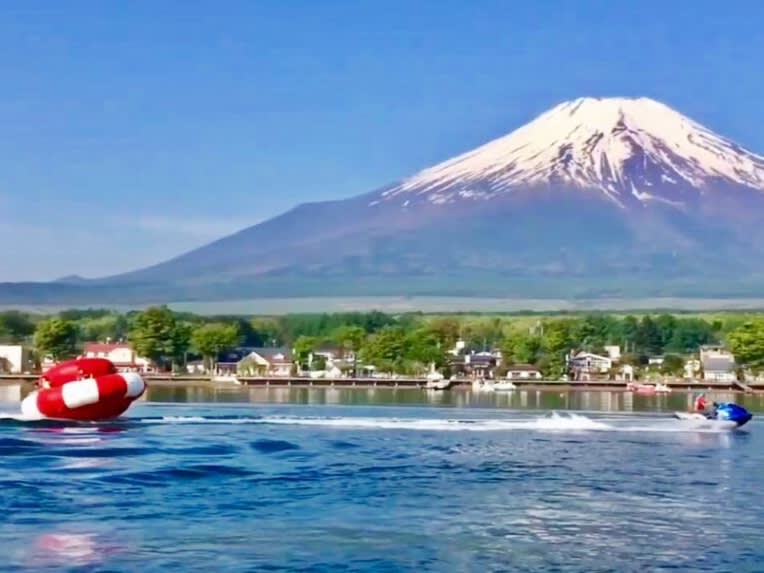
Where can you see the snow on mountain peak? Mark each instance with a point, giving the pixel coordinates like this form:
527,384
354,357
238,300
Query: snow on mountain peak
624,147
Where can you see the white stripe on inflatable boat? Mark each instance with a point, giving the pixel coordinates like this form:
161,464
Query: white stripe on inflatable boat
135,384
29,407
80,393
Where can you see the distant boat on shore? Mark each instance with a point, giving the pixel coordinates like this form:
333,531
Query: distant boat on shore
647,388
225,379
436,381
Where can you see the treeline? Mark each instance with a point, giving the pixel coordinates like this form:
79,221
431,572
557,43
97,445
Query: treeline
402,342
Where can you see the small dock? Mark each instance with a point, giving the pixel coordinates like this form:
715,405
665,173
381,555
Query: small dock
744,387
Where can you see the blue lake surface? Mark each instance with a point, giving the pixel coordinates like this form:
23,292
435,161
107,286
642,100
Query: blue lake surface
294,487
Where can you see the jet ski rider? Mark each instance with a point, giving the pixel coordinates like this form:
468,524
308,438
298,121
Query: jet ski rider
701,407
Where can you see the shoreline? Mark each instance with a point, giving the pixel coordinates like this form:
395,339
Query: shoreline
407,383
431,304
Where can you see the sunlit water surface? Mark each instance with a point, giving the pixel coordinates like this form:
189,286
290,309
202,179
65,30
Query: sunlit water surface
308,480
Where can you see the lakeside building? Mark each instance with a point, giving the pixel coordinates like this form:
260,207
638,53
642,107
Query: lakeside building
122,354
523,372
15,359
717,363
267,362
588,366
252,361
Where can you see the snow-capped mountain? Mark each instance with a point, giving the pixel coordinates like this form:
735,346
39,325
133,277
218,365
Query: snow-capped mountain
626,148
614,195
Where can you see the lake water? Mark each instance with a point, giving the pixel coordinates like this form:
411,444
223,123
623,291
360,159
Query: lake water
381,480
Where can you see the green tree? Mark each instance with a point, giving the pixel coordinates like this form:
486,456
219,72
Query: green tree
484,333
689,334
157,335
386,349
15,326
747,344
521,348
594,331
269,331
556,343
303,347
248,334
56,337
318,363
349,337
211,339
629,333
110,326
423,348
666,325
649,338
672,364
181,342
446,329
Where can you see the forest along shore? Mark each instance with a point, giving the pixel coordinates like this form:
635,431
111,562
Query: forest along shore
582,350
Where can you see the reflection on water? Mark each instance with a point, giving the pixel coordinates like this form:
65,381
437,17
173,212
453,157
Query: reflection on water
321,488
592,400
532,399
10,393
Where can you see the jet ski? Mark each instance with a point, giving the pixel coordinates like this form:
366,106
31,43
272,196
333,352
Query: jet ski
726,415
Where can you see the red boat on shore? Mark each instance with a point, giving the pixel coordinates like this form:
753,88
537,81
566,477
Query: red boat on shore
647,388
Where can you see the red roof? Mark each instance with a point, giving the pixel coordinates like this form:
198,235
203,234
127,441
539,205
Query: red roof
106,346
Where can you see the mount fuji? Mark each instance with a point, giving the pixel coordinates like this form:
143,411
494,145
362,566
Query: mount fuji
594,197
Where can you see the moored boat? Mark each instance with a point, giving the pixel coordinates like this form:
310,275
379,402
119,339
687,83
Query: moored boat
504,385
641,388
436,381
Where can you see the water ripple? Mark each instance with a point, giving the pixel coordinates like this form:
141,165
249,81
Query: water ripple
354,492
273,446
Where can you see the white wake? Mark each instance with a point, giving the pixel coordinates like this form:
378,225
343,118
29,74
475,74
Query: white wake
554,422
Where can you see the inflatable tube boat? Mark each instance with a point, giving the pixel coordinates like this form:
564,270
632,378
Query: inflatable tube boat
76,369
83,390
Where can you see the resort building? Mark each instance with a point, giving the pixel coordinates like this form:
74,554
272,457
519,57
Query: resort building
718,364
122,354
523,372
15,359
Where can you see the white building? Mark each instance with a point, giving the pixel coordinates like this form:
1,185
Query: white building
458,348
613,352
691,368
590,363
122,354
266,362
718,364
523,372
14,359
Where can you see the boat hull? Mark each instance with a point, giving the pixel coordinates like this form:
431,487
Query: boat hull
700,422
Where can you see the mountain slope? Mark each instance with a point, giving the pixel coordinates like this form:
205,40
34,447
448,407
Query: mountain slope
623,148
610,195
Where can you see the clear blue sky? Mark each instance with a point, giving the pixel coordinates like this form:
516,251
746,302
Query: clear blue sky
132,131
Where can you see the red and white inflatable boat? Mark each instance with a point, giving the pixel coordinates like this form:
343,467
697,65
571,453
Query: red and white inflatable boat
84,389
